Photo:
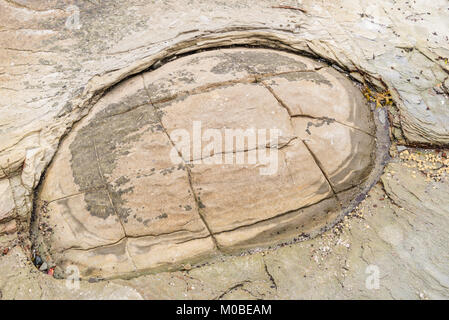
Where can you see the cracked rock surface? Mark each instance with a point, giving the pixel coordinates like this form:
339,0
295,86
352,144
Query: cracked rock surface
123,195
53,71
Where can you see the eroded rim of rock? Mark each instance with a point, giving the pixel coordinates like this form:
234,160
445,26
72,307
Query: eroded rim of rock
115,202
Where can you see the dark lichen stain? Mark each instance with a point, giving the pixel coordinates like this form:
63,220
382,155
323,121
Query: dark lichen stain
201,204
98,203
321,122
163,87
166,171
121,181
99,144
256,62
195,60
159,217
311,76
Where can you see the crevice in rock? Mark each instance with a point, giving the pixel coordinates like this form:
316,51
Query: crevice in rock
274,217
330,120
73,248
320,166
268,145
107,189
215,85
188,171
136,237
130,256
77,194
318,163
278,99
252,78
270,276
302,115
250,293
126,111
198,238
238,285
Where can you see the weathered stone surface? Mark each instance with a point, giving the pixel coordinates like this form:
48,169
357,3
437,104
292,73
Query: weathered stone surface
343,152
6,200
68,65
237,107
77,225
203,70
325,93
8,227
126,193
399,238
21,280
50,70
295,223
265,62
237,195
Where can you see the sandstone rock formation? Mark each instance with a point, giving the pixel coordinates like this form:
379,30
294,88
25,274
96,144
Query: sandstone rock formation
124,195
59,61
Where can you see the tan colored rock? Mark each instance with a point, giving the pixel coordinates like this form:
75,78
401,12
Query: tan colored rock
103,261
345,154
171,251
208,69
186,74
155,193
265,62
324,93
235,195
239,106
60,182
6,199
293,224
47,67
8,227
82,221
197,156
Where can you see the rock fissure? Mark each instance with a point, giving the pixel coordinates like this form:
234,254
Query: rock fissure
107,189
273,218
326,120
268,145
189,174
279,100
122,161
320,166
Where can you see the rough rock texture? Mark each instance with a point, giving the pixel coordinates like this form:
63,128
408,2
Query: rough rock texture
123,195
400,228
52,71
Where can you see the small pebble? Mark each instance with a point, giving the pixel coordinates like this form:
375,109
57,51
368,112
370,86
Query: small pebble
38,261
187,266
43,267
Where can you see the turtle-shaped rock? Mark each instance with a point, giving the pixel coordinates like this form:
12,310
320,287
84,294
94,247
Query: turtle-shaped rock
216,151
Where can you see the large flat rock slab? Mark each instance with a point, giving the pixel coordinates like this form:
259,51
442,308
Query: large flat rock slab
50,68
216,151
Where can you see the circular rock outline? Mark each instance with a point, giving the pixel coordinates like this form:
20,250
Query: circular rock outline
372,173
